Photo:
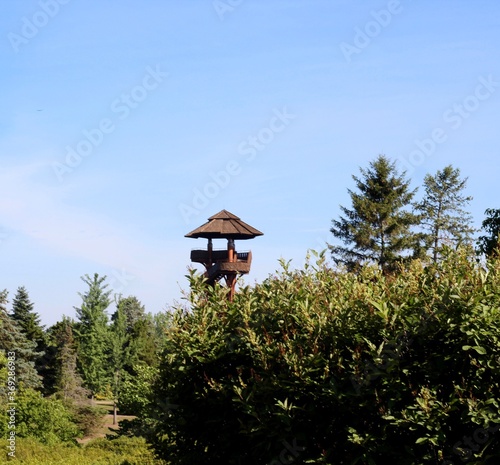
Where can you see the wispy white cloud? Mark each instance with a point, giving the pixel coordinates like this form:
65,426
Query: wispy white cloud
39,211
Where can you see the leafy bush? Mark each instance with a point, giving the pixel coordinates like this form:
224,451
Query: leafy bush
328,367
136,390
46,419
136,399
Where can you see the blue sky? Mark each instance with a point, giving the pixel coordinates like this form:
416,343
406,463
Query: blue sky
126,124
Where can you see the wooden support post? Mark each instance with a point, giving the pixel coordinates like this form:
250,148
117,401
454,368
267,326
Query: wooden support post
231,283
230,250
210,249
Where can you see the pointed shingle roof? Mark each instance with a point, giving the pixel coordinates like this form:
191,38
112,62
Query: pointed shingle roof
225,225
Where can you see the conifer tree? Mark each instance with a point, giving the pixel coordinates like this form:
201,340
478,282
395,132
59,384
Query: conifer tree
133,342
377,229
442,214
91,331
50,359
132,309
141,338
68,382
489,243
13,340
28,322
26,318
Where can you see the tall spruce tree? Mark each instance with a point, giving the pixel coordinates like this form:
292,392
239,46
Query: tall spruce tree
13,340
442,214
26,318
68,382
489,244
378,228
28,322
92,334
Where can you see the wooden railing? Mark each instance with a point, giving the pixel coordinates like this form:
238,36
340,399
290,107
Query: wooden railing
218,256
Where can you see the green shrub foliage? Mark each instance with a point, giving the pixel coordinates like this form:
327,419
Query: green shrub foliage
136,391
323,366
136,399
122,451
44,418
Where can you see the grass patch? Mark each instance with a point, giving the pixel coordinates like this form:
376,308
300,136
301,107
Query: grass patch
121,451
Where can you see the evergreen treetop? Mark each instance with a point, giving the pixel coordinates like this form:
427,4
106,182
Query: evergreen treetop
92,333
377,228
13,340
26,318
442,214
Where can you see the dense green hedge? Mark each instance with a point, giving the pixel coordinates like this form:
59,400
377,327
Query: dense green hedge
322,366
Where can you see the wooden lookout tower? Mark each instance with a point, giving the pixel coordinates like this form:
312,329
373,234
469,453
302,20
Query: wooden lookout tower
226,263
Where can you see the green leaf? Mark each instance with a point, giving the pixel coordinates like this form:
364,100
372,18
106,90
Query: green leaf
480,350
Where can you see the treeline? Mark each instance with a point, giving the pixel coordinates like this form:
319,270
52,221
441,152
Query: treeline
54,373
387,226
